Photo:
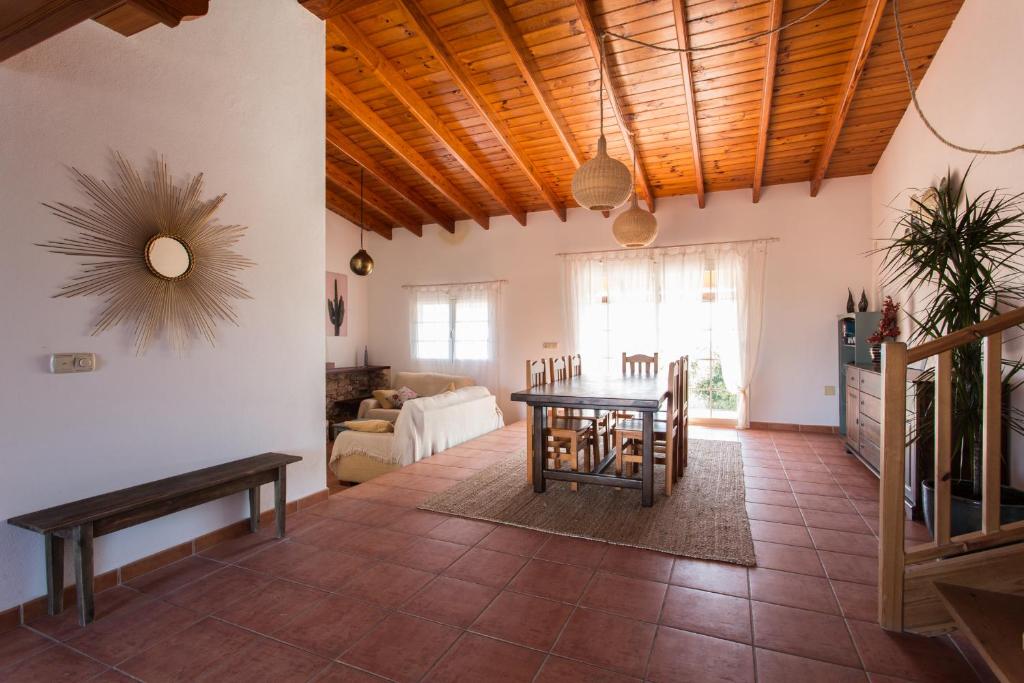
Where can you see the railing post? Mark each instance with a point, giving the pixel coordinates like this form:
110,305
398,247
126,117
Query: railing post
894,440
991,431
943,444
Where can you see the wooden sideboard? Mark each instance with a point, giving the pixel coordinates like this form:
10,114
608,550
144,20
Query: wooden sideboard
864,428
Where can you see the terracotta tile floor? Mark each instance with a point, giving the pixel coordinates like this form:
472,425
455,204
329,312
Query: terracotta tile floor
367,588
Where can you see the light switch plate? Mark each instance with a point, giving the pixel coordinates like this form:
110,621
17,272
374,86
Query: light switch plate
830,390
550,345
61,363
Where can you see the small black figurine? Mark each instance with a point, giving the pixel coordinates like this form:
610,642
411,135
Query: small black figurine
863,305
849,301
366,356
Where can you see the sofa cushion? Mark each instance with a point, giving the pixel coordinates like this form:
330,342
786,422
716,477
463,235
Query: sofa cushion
402,395
430,383
371,425
383,397
389,414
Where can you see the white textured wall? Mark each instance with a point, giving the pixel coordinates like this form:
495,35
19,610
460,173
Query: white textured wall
972,94
342,243
237,95
820,255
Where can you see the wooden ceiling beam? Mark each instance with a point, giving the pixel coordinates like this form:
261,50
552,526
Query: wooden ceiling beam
325,9
686,67
349,210
854,68
347,100
421,23
349,148
384,205
422,112
531,73
767,89
593,35
24,23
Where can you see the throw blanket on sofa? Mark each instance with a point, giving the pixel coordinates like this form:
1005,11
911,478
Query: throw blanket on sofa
426,426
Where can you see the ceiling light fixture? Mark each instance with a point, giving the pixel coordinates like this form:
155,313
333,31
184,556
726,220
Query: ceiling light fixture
602,183
361,263
635,227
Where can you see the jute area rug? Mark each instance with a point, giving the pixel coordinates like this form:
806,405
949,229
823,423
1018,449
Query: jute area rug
705,517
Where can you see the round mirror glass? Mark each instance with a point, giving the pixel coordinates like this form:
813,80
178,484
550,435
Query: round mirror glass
168,257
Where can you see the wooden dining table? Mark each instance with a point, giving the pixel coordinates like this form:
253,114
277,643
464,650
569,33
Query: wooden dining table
643,394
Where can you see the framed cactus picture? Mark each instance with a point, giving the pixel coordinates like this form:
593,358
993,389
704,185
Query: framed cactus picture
337,300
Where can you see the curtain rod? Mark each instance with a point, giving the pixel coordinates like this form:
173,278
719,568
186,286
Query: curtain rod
452,284
669,246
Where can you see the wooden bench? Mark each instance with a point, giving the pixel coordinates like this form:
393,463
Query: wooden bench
83,520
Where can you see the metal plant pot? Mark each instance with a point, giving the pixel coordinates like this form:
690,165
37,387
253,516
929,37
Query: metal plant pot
965,510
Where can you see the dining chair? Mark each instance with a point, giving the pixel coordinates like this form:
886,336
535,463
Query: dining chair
683,443
632,365
629,436
567,367
564,439
536,376
638,364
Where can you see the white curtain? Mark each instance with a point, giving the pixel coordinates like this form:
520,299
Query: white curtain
611,304
648,300
454,330
741,269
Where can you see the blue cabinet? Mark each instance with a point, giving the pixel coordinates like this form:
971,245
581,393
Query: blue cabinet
853,330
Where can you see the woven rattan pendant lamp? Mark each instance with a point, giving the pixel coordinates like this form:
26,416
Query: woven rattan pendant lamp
361,263
602,183
635,227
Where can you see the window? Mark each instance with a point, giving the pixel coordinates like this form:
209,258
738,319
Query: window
452,328
714,320
675,301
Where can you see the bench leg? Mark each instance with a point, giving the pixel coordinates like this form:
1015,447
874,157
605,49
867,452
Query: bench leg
279,500
82,541
254,509
54,574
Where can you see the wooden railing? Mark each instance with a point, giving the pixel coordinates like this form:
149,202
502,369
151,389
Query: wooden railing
894,557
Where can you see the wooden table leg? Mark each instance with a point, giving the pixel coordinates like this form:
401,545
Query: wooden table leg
254,509
54,573
82,542
279,500
647,464
539,412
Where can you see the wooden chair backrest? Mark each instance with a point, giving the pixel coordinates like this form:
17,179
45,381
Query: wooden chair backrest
683,380
558,369
638,364
672,404
575,365
536,373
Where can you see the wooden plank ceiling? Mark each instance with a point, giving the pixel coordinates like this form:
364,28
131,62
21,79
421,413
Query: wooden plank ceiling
467,109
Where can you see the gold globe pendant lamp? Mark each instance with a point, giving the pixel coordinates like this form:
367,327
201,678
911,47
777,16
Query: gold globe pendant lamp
601,183
361,262
635,227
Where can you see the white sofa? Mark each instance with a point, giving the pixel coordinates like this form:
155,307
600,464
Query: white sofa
424,426
423,383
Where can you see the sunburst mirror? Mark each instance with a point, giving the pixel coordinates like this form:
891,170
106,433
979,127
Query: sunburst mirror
157,255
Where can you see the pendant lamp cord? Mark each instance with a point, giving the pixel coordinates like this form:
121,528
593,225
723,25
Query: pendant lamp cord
806,15
913,97
361,228
633,179
728,43
601,80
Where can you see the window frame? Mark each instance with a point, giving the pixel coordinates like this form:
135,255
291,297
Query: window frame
453,320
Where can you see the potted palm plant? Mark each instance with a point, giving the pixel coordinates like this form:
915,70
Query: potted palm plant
961,256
